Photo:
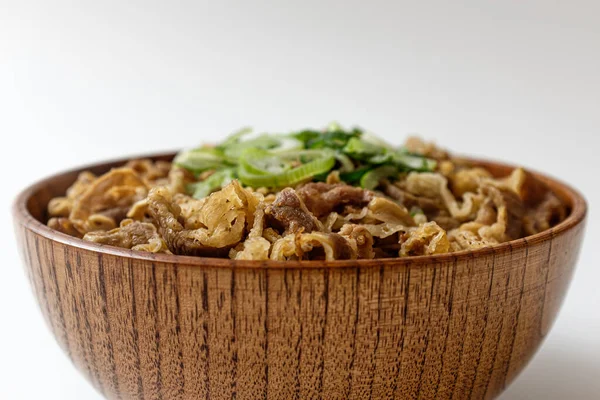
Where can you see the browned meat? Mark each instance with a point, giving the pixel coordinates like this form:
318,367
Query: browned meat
341,248
547,214
223,219
118,214
534,191
322,198
410,200
445,221
289,211
487,214
127,236
514,207
432,208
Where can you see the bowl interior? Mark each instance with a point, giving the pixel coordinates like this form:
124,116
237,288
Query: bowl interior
32,204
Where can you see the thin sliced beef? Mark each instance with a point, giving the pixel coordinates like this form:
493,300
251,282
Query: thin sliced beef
514,208
289,212
322,198
221,220
126,236
410,200
118,214
547,214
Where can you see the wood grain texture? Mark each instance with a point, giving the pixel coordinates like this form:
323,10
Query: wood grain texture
144,326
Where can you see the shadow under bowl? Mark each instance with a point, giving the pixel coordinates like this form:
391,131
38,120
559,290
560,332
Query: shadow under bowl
147,326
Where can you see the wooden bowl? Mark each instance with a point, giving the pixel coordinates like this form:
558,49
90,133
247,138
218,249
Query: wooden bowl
146,326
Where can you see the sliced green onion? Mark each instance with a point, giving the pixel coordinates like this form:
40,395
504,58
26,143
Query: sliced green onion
282,160
273,143
235,137
199,160
359,148
346,163
262,162
286,143
354,176
377,141
250,172
379,159
306,136
265,162
322,177
216,181
334,127
412,162
335,140
207,150
371,179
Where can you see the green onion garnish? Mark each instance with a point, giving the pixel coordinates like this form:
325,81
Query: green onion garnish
281,171
199,160
371,179
279,160
216,181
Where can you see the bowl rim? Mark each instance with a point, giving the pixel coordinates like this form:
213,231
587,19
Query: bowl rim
22,216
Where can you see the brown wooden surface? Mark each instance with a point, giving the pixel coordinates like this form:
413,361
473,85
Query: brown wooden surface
145,326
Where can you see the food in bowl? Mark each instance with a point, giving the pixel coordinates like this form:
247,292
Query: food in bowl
333,194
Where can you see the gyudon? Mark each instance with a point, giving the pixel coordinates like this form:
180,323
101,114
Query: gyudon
331,194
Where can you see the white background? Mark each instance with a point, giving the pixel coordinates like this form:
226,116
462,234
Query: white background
511,80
